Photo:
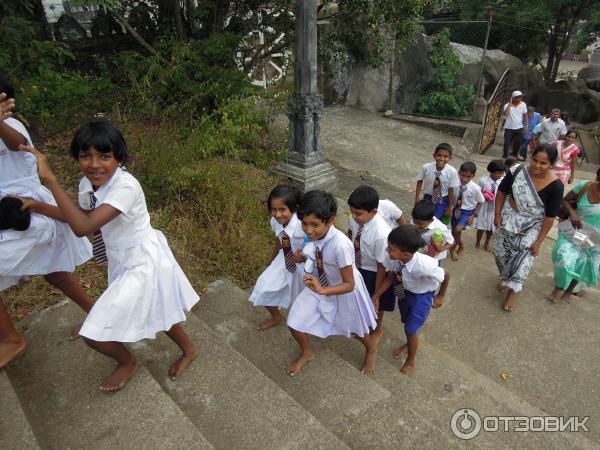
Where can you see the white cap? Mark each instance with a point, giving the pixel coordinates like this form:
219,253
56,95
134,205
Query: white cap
517,94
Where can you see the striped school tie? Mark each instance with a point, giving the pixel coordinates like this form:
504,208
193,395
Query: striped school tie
357,259
398,283
436,194
98,248
321,269
288,255
458,207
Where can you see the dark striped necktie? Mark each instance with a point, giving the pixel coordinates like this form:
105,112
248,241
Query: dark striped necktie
357,257
398,283
436,194
458,207
321,269
288,255
98,248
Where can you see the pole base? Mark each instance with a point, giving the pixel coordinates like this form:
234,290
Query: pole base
321,176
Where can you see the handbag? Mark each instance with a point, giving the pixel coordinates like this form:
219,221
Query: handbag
563,213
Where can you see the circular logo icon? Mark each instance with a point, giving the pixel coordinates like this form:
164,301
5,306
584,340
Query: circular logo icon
465,424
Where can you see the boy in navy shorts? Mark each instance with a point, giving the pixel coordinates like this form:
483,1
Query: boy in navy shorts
415,278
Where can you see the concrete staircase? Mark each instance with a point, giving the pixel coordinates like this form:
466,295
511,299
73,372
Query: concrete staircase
238,396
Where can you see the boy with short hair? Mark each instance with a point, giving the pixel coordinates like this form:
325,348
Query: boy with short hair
415,278
466,208
426,223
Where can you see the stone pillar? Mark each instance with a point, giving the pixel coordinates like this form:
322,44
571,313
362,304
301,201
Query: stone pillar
305,166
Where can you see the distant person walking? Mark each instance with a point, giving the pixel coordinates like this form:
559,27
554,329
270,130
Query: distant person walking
553,129
534,118
516,121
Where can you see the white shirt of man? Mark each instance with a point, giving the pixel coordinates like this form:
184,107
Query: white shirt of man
448,178
514,121
421,274
390,212
437,224
471,195
373,241
551,131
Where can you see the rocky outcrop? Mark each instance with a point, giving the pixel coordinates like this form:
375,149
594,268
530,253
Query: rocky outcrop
591,75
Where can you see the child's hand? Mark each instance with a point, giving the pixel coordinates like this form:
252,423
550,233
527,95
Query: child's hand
375,300
470,220
299,257
311,282
448,212
29,204
6,106
438,301
43,167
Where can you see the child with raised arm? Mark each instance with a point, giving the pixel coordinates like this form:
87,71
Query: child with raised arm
415,278
468,203
369,232
281,282
427,224
147,291
438,181
337,302
484,222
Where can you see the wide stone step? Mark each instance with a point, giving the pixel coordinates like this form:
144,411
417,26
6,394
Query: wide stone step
15,431
57,381
231,402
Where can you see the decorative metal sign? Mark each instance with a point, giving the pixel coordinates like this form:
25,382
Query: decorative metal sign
493,113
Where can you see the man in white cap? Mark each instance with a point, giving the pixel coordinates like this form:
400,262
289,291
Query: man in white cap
516,122
553,129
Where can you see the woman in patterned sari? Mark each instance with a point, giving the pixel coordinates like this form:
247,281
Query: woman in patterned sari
527,202
576,260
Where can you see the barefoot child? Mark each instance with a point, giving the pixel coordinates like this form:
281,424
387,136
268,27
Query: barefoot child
391,213
415,277
438,180
427,224
369,232
489,186
468,203
147,290
281,282
337,303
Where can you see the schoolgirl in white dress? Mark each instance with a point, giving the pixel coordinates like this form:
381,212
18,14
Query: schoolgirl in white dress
489,186
147,292
281,282
337,302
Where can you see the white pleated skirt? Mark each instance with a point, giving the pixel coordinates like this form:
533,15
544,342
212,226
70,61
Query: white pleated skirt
277,286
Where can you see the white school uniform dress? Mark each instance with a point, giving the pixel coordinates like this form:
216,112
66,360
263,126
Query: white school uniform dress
448,178
485,218
48,245
147,292
420,275
390,212
437,224
373,241
277,286
327,315
471,196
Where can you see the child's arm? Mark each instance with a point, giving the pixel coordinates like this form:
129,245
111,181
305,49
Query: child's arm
52,211
448,212
275,250
346,286
418,190
383,286
438,300
401,220
471,219
11,137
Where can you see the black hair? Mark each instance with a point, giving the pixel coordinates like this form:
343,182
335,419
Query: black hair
318,203
406,238
290,195
7,87
104,137
468,167
548,149
496,165
11,216
509,162
573,130
443,146
423,210
365,198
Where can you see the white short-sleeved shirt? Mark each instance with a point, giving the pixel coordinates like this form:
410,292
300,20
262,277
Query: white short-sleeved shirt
514,121
338,252
471,196
16,166
390,212
437,224
421,274
124,193
293,229
449,178
373,241
551,131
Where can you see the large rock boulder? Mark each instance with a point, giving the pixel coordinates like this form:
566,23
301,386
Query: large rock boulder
591,75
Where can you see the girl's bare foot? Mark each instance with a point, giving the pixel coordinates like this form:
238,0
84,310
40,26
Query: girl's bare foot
296,365
268,323
477,245
454,254
398,352
553,297
407,368
120,377
74,334
509,304
368,367
10,350
180,365
486,246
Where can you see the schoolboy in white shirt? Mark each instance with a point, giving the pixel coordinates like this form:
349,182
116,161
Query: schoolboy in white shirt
392,215
427,224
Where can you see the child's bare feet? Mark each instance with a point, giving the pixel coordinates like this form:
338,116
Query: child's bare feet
407,368
486,246
554,296
177,368
376,336
509,303
74,334
454,254
368,367
10,350
120,377
398,352
501,289
296,365
268,323
477,245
